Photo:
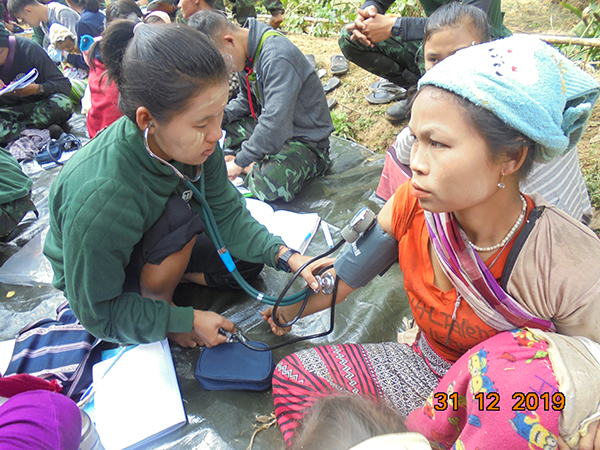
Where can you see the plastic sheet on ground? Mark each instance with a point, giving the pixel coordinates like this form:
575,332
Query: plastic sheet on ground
225,420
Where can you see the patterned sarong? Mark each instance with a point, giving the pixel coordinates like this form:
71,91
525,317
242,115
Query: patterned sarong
400,374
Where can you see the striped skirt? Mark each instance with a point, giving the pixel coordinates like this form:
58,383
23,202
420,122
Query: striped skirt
400,374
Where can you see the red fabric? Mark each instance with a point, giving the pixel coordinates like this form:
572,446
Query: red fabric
431,307
295,389
105,97
16,384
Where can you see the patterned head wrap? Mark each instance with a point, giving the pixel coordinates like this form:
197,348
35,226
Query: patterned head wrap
527,84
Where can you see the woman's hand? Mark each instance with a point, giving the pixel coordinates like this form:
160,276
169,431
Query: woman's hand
190,339
206,328
284,315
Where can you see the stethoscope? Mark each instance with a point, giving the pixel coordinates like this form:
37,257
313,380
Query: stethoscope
328,283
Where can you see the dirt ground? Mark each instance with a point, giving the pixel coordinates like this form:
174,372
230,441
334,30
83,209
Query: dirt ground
366,123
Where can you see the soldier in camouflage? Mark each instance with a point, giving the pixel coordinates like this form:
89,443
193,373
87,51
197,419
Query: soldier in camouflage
38,105
282,174
387,46
279,124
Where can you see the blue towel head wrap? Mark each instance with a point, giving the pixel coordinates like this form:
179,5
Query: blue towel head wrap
527,84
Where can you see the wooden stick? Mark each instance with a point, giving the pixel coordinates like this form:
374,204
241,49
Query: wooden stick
306,19
574,40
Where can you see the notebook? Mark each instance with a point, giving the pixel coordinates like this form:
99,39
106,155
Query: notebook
138,400
25,81
296,229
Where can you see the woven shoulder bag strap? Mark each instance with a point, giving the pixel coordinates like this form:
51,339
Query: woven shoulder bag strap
9,59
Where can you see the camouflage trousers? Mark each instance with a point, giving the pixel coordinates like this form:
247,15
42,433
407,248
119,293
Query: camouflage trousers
242,9
280,175
391,59
55,109
11,213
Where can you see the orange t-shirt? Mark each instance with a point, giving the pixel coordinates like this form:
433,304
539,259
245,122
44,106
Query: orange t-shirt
432,308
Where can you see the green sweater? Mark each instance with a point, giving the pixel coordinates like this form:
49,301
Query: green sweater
103,201
14,184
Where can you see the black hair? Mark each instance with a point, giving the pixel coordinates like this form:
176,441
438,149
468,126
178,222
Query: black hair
90,5
117,9
503,141
341,421
153,19
453,15
211,23
153,68
16,7
123,9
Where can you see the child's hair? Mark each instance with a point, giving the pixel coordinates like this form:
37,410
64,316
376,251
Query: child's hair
160,66
123,9
16,7
455,14
341,421
90,5
211,23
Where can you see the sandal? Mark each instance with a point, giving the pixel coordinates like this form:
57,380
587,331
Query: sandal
311,61
383,83
339,65
51,154
381,96
331,84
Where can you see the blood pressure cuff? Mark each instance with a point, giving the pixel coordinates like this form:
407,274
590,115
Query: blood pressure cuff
372,254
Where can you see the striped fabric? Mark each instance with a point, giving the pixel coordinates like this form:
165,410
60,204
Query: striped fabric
473,280
561,183
58,349
401,375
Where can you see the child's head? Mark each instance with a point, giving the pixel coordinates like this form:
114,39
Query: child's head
123,9
28,11
224,34
452,27
340,421
63,39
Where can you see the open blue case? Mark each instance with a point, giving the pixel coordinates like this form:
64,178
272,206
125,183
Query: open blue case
234,367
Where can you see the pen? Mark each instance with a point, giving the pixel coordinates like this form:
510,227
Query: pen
91,390
308,236
327,234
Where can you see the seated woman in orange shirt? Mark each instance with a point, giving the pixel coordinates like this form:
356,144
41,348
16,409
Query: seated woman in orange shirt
478,257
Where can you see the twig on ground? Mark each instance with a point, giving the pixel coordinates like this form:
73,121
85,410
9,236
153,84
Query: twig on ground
267,422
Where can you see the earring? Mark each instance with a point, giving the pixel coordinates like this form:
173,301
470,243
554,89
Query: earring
501,184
